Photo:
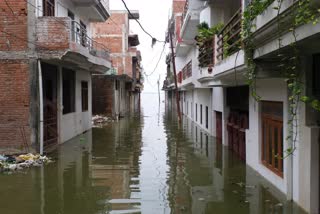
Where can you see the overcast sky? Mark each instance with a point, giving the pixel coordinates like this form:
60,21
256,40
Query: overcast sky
154,18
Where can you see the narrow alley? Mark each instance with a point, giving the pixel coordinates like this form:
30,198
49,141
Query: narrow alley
143,164
160,106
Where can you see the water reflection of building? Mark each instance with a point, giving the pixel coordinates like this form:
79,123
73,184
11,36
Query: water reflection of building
207,177
115,165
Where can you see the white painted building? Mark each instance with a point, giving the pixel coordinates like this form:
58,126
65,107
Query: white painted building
256,130
68,58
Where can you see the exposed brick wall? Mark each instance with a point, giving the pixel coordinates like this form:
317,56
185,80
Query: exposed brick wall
53,33
15,101
178,6
129,66
102,95
110,34
114,44
13,21
111,26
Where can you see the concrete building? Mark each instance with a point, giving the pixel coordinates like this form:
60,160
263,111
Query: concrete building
47,57
217,88
118,92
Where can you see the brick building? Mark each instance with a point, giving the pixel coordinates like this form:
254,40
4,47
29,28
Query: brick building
46,60
117,91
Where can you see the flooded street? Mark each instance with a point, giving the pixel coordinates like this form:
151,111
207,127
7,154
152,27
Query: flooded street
142,164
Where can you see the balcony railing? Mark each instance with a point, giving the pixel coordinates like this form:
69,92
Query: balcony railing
229,38
187,70
180,77
185,11
48,8
206,53
106,4
80,36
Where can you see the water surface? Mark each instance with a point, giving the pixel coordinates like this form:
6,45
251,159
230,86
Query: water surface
146,163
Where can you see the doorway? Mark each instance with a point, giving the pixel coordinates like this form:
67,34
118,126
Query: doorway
50,124
218,126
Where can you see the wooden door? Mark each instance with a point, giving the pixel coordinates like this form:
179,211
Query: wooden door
219,126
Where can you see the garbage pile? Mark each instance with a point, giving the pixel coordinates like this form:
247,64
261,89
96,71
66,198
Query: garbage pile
100,120
19,162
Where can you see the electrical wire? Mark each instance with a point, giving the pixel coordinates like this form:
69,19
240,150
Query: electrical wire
153,38
155,68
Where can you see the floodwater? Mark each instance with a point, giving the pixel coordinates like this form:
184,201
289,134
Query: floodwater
146,163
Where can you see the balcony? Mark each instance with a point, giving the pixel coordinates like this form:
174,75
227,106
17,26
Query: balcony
187,71
229,39
63,39
190,20
266,28
206,53
95,10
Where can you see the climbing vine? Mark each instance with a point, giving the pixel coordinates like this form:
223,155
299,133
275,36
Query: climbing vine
301,13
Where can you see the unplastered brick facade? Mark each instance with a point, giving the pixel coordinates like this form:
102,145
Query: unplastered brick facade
114,34
178,6
28,42
13,25
15,76
53,35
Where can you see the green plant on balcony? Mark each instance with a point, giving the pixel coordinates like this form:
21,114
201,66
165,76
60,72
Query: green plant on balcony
205,42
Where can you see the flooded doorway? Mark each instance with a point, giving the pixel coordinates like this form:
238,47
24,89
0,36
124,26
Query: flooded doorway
238,119
219,126
50,128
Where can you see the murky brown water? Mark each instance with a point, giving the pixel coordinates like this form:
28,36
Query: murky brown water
143,164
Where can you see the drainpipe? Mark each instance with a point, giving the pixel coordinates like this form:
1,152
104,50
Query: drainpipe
41,106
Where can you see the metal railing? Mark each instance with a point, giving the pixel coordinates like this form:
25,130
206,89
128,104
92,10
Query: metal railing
187,70
229,38
105,3
48,8
79,35
180,77
206,53
185,11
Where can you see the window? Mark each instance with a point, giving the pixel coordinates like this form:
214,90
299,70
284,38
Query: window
84,95
83,34
316,76
196,134
48,7
272,136
196,112
68,94
207,117
200,114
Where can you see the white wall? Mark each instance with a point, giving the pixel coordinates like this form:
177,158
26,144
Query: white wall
217,105
73,124
269,90
203,97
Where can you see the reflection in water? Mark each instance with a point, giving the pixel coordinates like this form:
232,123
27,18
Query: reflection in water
147,163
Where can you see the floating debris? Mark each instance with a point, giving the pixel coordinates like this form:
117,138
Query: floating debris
100,120
279,205
251,186
19,162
